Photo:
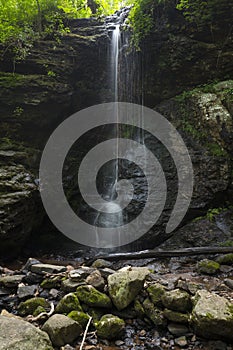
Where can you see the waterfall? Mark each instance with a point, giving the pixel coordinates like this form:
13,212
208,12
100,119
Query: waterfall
115,45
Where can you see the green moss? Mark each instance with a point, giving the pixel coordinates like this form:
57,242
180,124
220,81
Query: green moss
139,308
92,297
79,317
175,316
228,243
53,282
29,306
208,267
156,291
153,313
38,311
67,304
226,259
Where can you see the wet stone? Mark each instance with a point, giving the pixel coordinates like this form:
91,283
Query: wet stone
26,291
178,329
47,268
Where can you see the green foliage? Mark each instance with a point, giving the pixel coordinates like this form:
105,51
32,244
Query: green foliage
212,213
141,19
205,13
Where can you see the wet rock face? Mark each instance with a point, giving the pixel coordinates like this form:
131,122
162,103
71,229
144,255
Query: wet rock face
179,55
19,202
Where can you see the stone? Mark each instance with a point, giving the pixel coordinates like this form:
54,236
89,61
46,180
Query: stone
53,282
178,329
79,317
208,267
92,297
177,300
11,281
16,334
212,316
229,282
68,303
156,291
38,311
62,329
29,263
175,316
226,259
81,273
101,263
181,341
69,285
54,293
125,285
29,306
153,313
47,268
96,280
26,291
110,327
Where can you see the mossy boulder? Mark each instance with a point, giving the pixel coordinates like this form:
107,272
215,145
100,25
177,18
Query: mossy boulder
226,259
208,267
79,317
125,285
139,308
49,283
110,327
212,316
175,316
68,303
177,300
29,306
153,313
156,291
92,297
62,329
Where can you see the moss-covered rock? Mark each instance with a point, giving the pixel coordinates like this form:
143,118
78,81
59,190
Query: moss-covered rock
156,291
208,267
139,308
92,297
226,259
62,329
175,316
68,303
212,316
79,317
153,313
39,310
49,283
177,300
125,285
29,306
110,327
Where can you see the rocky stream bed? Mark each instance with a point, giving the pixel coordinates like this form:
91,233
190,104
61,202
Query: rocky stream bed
174,303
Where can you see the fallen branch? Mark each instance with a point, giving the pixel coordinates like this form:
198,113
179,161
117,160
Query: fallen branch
145,254
31,318
85,333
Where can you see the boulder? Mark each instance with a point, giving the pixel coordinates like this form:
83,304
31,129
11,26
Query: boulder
96,280
11,281
125,285
79,317
17,334
29,306
155,291
110,327
68,303
92,297
212,316
153,313
177,300
175,316
47,268
62,329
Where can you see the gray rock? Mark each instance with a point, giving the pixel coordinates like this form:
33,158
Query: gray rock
81,273
181,341
92,297
62,329
11,281
125,285
26,291
212,316
29,263
17,334
47,268
178,329
229,282
96,280
208,267
69,285
101,263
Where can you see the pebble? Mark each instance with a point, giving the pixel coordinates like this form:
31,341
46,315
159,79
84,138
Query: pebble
181,341
177,329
